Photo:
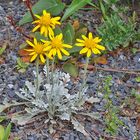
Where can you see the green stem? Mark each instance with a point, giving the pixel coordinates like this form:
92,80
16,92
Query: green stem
37,82
84,79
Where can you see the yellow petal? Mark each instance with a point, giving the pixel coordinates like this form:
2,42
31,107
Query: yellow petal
50,53
67,46
46,33
59,54
34,29
90,35
51,33
42,58
36,21
89,53
80,44
51,37
47,48
55,22
44,12
50,57
37,16
29,50
47,43
33,57
60,36
52,26
84,37
79,40
44,41
35,41
100,47
95,51
84,50
97,40
65,52
32,53
30,43
54,52
55,18
42,29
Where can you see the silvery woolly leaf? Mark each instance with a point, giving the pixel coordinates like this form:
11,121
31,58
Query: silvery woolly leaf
3,107
66,77
22,119
47,121
33,111
48,87
45,70
51,130
92,100
28,110
40,104
62,92
65,116
63,108
22,96
67,95
80,102
7,105
40,78
93,115
53,121
30,86
84,89
34,72
79,127
74,96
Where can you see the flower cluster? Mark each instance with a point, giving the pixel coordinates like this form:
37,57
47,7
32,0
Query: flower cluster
54,45
47,48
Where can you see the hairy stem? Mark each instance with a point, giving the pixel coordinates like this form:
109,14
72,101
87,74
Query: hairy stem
51,105
84,79
37,82
48,69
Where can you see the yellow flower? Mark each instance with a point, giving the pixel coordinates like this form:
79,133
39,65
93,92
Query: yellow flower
46,24
90,45
56,46
38,50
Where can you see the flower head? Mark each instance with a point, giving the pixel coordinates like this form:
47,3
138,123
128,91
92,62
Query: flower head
38,50
46,23
56,46
90,45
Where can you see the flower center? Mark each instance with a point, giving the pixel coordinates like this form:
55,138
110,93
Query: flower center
56,43
45,20
89,43
39,48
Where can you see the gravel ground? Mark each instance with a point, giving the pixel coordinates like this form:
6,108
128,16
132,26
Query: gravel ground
122,83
